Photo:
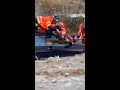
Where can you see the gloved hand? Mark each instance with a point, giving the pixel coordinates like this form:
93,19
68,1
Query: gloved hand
50,28
36,24
79,37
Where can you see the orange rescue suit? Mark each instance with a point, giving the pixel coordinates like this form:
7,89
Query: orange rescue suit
63,32
81,32
44,22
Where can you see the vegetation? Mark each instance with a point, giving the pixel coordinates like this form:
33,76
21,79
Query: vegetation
62,7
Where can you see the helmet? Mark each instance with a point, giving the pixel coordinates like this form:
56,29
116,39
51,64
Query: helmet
55,16
61,24
83,16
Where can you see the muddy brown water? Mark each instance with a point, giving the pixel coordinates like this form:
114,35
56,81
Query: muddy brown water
60,73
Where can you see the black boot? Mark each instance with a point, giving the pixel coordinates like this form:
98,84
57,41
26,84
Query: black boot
50,48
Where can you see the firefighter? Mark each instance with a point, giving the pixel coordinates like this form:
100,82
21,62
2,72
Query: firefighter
81,31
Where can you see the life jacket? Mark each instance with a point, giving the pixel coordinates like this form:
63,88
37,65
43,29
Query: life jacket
44,21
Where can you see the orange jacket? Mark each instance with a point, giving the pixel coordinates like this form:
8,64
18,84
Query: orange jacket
44,21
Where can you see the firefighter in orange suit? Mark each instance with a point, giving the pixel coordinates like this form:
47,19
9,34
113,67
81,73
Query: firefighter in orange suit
81,31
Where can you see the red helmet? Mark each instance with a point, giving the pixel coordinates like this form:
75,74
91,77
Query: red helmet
61,24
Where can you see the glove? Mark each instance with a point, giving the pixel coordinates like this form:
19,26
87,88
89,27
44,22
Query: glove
36,24
50,28
79,37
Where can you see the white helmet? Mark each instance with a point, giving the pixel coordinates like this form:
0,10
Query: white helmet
55,16
83,16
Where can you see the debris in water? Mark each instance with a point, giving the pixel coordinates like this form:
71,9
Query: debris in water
66,74
54,81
